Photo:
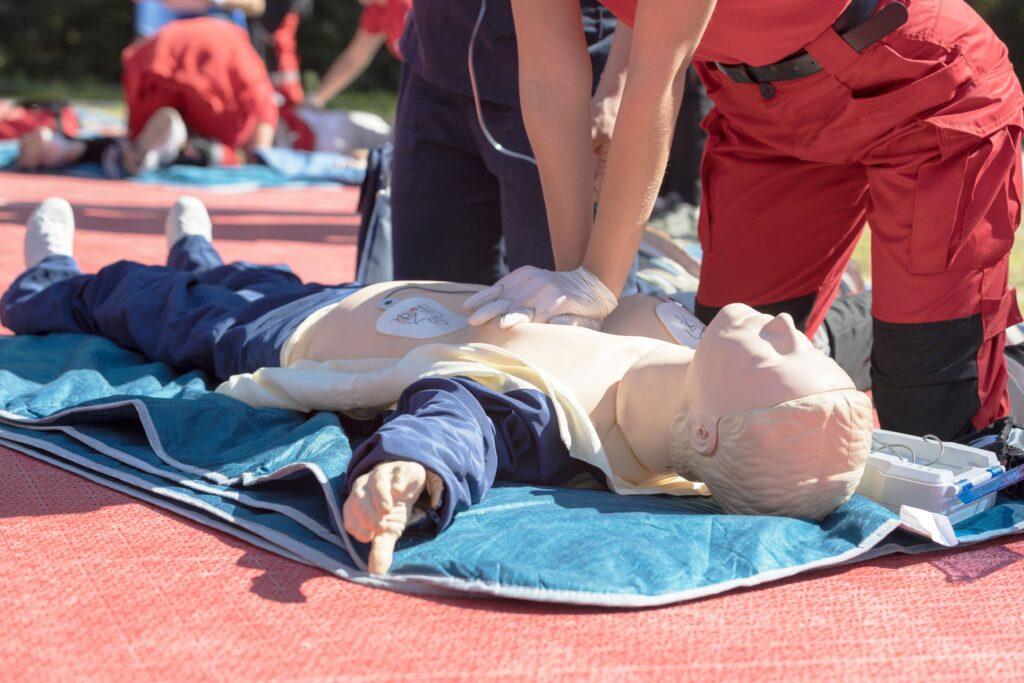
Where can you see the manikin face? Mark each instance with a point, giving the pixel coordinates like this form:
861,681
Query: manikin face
747,360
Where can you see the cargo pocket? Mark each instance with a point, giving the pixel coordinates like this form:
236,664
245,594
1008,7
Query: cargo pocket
965,202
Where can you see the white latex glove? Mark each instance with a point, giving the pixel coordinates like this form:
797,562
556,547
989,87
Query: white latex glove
381,505
531,294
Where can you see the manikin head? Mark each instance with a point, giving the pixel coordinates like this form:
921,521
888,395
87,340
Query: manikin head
773,426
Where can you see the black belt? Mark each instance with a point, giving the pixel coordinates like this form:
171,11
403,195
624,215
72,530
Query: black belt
858,25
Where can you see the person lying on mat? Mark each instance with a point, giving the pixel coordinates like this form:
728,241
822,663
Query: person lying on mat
756,415
198,78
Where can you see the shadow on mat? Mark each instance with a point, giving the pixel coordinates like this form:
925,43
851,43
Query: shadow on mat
972,564
229,224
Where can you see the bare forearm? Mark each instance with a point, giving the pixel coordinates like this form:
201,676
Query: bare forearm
554,83
349,65
636,165
556,119
613,78
666,34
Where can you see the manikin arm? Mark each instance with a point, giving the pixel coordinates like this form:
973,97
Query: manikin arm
451,438
349,66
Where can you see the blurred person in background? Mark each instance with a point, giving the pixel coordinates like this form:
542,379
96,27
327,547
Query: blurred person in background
196,92
381,23
275,35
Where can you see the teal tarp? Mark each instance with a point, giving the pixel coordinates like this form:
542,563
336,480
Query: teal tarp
271,477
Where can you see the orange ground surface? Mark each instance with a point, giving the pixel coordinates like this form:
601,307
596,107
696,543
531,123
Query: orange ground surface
97,586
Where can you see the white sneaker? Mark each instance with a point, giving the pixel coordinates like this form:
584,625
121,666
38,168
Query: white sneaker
188,216
50,231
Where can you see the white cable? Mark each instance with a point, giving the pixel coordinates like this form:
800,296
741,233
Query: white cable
476,93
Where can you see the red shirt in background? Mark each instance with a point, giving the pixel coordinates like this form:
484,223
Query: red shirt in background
388,19
209,71
755,32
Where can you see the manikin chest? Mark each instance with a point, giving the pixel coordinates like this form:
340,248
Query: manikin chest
390,319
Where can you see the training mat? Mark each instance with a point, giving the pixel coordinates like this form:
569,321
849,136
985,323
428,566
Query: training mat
271,477
281,168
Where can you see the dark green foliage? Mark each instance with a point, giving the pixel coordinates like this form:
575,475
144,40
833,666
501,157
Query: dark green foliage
72,40
69,40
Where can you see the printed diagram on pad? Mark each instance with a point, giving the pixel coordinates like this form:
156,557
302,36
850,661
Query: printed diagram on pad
419,318
681,323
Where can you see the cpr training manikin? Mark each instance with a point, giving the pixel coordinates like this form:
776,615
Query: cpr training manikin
753,415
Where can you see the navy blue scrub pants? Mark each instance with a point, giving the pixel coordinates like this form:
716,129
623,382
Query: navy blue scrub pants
454,197
194,313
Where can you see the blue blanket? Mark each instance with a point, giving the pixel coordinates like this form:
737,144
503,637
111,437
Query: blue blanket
281,167
271,477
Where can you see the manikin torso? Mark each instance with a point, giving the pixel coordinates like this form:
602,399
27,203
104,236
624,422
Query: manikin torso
593,365
632,387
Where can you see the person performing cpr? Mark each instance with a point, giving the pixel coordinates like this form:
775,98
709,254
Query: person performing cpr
828,114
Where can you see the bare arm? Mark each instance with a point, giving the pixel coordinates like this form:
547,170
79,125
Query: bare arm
554,87
665,35
349,65
607,98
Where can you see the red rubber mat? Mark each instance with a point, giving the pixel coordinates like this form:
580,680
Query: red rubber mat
97,586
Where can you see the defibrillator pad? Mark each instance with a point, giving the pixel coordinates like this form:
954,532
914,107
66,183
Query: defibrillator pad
682,324
419,318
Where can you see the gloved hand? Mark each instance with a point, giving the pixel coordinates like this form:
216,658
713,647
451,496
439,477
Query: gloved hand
531,294
381,504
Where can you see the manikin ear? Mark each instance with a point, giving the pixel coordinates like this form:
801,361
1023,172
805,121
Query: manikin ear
702,433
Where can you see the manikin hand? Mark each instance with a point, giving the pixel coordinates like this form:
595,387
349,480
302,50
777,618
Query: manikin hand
531,294
381,505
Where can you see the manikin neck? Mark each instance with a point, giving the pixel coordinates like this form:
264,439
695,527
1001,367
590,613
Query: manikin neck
650,397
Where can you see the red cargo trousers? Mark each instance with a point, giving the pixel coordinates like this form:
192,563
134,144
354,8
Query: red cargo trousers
919,136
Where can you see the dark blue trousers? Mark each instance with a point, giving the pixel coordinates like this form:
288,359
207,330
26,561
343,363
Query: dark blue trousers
454,197
194,313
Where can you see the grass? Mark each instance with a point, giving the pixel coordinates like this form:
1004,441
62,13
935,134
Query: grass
380,102
83,90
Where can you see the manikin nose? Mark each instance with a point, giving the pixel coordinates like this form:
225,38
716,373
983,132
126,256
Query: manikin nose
781,332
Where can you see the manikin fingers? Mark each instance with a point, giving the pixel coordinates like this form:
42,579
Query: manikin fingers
380,490
382,553
357,522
